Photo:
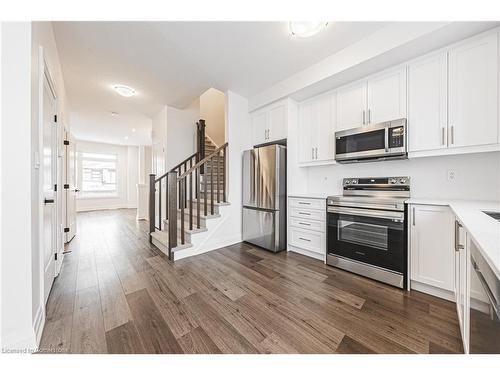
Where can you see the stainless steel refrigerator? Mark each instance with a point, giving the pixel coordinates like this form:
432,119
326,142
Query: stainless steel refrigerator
264,197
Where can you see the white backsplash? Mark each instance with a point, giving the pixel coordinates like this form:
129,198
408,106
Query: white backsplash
476,176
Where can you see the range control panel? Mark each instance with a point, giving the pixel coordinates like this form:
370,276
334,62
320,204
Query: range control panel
403,180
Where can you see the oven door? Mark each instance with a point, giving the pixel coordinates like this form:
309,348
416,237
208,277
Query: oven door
374,237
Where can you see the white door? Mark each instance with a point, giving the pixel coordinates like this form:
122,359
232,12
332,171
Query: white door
432,247
49,175
428,101
260,127
70,188
277,128
474,92
306,149
351,106
323,131
387,96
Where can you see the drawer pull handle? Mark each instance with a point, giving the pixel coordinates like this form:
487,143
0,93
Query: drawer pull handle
308,203
304,239
305,224
305,213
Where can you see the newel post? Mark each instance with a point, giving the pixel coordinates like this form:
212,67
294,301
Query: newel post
152,191
172,211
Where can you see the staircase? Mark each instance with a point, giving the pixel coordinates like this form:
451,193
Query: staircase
187,201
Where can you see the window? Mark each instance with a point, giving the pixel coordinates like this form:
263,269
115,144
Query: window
97,175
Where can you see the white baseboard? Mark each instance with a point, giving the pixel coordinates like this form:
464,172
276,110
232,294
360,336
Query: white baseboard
98,208
39,324
432,290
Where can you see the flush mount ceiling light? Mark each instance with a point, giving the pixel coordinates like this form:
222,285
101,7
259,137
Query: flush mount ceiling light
124,90
133,130
306,29
114,114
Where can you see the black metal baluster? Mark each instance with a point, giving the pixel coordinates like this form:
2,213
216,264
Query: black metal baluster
181,188
212,186
191,196
198,205
224,198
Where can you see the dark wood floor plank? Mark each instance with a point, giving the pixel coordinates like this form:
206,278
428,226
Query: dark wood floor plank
198,342
124,339
87,334
155,334
115,310
221,332
351,346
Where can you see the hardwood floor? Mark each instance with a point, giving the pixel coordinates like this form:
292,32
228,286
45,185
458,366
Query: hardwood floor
118,294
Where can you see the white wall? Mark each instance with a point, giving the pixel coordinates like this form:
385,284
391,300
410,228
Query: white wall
127,177
16,305
212,111
476,176
181,133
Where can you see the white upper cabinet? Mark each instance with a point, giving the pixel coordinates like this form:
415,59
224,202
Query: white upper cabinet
473,90
277,122
351,106
270,124
386,96
432,246
316,129
305,148
428,100
260,127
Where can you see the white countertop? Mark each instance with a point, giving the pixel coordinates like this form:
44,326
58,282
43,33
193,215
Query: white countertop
308,195
484,230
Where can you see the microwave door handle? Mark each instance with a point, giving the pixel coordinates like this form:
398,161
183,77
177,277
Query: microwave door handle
386,140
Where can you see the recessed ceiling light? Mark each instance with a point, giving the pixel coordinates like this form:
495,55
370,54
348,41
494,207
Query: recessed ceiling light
124,90
126,137
306,29
133,130
114,114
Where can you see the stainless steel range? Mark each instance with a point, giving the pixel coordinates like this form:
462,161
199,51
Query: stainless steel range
367,232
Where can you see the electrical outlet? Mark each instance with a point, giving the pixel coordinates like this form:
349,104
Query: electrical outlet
451,175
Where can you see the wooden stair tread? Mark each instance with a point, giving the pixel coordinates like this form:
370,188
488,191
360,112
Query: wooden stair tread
162,237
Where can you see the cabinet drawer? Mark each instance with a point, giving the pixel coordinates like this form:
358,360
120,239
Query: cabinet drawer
308,224
307,214
317,204
309,240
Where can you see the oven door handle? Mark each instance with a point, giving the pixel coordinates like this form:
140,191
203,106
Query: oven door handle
368,213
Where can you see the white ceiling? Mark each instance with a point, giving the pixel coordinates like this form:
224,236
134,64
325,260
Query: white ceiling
174,62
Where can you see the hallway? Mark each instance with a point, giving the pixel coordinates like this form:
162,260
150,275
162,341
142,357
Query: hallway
117,294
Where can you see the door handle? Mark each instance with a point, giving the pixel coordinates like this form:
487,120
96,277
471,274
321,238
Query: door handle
47,201
458,246
77,190
304,239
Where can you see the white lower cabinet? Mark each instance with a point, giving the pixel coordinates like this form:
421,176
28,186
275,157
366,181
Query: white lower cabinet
432,254
307,226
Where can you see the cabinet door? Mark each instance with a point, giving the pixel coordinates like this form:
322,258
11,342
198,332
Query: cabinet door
432,253
277,128
306,149
259,127
427,112
323,131
351,106
387,96
474,92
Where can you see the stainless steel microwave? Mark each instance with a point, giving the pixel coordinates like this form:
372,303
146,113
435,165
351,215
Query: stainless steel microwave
387,140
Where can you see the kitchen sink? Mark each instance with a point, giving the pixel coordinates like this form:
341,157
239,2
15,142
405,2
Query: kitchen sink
494,215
